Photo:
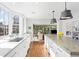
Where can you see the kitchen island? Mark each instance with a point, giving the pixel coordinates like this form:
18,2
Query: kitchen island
14,48
61,46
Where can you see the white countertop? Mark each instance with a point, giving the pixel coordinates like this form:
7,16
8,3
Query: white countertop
4,51
6,46
66,43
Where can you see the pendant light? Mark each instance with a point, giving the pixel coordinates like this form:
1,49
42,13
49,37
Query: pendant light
66,14
54,19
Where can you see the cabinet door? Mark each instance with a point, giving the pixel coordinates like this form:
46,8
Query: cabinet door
61,53
25,46
50,46
19,51
11,54
52,54
22,48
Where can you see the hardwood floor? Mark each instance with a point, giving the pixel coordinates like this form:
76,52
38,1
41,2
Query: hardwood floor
37,49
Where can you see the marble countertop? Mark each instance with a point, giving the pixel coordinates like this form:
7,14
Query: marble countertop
6,46
68,44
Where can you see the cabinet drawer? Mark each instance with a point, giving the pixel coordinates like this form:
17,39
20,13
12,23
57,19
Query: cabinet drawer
62,53
22,49
19,51
11,54
25,44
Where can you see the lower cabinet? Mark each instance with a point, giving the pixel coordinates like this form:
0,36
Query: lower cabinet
11,54
21,49
54,49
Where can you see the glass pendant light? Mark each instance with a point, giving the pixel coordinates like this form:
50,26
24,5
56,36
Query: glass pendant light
66,14
54,19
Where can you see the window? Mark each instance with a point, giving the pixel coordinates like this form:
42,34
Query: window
16,19
4,24
15,24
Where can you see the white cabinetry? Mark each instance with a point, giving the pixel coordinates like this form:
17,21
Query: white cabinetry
21,49
12,53
54,49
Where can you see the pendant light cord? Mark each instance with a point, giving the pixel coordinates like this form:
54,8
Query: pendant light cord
53,14
65,6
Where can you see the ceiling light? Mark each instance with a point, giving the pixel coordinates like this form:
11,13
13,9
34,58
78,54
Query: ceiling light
54,19
66,14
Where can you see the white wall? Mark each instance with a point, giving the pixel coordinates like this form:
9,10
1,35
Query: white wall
66,25
41,12
30,22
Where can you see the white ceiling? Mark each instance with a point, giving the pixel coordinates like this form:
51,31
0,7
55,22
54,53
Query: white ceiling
42,10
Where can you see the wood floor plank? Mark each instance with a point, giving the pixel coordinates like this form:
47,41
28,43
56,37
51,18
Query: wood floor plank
37,49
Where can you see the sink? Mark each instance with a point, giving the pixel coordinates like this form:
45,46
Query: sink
16,39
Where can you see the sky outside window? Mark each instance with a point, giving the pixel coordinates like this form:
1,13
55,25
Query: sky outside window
4,16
